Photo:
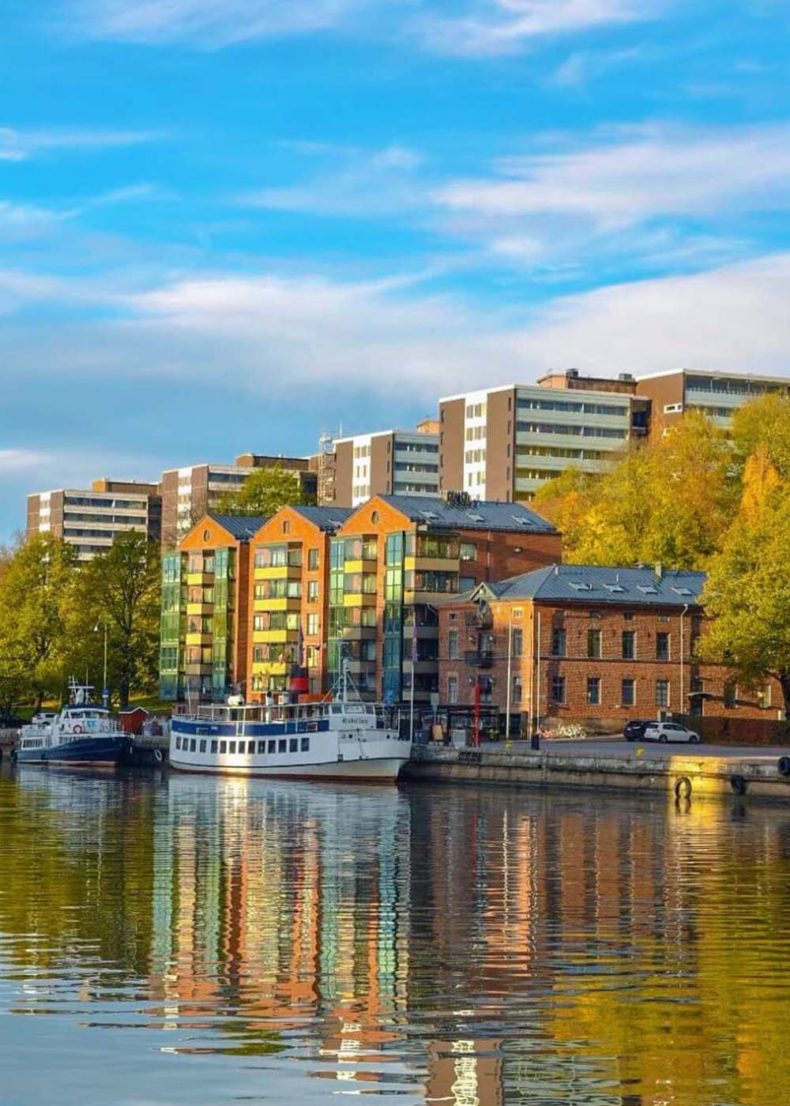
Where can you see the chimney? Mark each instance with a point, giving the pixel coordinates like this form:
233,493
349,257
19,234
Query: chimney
659,569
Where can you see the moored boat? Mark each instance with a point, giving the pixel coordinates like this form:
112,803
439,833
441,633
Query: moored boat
81,733
340,739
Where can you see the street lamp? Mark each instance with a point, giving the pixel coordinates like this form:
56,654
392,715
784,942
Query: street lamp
105,693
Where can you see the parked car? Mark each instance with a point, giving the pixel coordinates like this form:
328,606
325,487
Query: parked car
635,728
669,731
11,722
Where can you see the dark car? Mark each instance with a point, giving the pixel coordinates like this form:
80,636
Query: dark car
11,722
635,729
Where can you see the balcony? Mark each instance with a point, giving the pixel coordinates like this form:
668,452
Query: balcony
361,564
358,633
431,564
279,572
422,633
280,604
274,637
479,658
200,637
198,669
197,579
359,599
271,668
199,608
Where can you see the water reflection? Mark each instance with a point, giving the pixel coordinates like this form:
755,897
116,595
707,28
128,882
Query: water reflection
235,939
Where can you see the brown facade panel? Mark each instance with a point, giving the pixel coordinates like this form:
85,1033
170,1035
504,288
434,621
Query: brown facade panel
344,474
382,463
451,445
663,391
500,444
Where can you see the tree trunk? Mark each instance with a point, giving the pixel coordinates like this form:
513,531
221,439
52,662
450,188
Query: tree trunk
784,683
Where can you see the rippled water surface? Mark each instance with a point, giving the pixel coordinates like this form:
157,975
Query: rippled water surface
179,940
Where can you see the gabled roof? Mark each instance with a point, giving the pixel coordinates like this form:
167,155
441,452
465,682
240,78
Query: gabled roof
594,584
241,527
328,519
437,514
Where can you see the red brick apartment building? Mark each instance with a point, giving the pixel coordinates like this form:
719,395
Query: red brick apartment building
591,645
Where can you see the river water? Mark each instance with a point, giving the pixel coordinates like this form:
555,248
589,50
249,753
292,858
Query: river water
175,940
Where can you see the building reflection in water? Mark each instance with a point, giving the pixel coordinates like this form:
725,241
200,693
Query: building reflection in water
468,948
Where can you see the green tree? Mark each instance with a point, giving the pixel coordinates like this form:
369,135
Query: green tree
36,591
264,492
747,594
118,593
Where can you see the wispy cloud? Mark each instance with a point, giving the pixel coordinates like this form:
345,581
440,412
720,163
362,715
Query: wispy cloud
20,145
483,27
355,184
660,170
584,66
496,27
211,23
20,460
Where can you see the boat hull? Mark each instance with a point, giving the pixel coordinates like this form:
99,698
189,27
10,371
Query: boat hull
87,751
378,770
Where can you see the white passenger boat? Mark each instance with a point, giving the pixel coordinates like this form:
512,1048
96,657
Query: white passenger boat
81,733
339,739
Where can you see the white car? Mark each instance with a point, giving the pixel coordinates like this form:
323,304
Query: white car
669,731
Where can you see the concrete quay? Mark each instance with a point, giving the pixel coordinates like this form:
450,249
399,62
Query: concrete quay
682,772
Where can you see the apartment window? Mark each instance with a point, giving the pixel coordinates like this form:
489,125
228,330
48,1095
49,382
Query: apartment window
662,693
558,689
730,694
452,645
628,692
558,642
594,690
662,646
452,689
594,643
312,591
518,642
629,645
468,551
286,526
312,624
516,695
312,559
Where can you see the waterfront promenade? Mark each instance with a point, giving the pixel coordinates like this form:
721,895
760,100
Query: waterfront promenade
682,771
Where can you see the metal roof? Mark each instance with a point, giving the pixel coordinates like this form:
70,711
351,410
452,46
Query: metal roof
437,514
242,527
595,584
325,518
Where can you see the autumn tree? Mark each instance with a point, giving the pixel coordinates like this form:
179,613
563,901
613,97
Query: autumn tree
264,492
763,425
670,501
36,592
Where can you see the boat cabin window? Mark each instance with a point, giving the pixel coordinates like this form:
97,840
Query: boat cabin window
305,744
293,745
231,746
202,746
193,745
213,746
223,746
283,745
272,746
261,747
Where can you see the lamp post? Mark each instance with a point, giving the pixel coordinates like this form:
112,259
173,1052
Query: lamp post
509,669
105,694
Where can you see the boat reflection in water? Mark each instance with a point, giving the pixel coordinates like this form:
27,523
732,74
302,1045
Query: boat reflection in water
296,941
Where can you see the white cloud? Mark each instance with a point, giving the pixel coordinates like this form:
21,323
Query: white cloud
495,27
207,22
16,145
277,336
660,171
20,460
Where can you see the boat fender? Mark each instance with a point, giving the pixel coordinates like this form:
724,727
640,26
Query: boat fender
738,784
158,756
77,728
784,766
683,788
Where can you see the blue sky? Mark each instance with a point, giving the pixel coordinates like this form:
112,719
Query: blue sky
228,225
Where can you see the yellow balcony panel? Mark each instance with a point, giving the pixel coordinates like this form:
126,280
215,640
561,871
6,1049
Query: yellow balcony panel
197,579
199,638
199,608
274,637
431,564
361,565
428,596
277,604
360,599
280,572
270,668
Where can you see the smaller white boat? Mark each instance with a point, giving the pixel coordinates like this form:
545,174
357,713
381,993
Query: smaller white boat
82,733
340,739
